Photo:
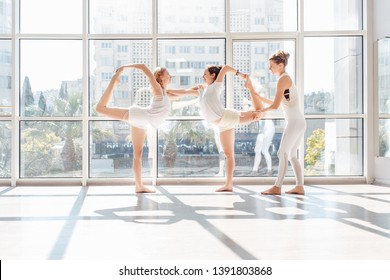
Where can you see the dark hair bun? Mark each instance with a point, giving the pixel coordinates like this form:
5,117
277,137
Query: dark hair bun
280,57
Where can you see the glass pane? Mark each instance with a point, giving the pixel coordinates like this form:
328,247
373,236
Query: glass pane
252,57
201,16
187,149
120,16
51,78
334,147
5,149
108,55
186,61
333,14
50,149
111,150
384,76
333,75
256,148
192,149
6,100
48,16
5,17
263,16
384,137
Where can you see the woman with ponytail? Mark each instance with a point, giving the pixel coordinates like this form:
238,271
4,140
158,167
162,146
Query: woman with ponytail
224,118
287,96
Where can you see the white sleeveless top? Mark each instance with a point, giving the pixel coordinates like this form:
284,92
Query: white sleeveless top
210,103
291,102
159,109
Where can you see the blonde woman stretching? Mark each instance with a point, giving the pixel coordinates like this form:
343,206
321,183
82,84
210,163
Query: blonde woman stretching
140,118
215,113
287,96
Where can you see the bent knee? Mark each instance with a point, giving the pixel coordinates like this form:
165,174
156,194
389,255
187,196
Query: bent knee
292,157
282,154
229,155
137,154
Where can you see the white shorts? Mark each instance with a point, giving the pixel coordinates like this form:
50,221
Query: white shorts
138,117
229,120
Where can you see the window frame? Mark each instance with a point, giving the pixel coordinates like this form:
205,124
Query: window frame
85,36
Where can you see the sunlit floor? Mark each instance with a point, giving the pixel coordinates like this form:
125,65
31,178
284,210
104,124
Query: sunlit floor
194,223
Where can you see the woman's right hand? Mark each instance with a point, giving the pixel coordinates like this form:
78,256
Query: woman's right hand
242,75
120,70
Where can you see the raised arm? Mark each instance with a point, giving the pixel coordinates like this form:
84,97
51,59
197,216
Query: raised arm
181,104
283,83
153,83
225,69
176,93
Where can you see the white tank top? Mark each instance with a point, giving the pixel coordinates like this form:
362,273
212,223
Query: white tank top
159,109
210,103
291,102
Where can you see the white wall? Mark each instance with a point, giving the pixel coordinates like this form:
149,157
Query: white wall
381,29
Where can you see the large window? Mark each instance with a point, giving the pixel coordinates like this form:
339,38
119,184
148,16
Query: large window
51,17
105,56
384,96
51,78
201,16
56,62
334,147
111,151
332,15
334,82
5,149
6,98
120,16
50,149
263,16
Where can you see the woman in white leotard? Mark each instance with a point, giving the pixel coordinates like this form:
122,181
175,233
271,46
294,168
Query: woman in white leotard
287,96
140,118
215,113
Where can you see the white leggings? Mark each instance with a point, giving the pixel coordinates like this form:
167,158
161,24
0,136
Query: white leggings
288,149
263,143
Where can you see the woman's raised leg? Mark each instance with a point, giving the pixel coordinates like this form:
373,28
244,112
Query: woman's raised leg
102,106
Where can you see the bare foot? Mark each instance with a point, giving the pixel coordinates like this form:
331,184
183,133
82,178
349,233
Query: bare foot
297,190
225,189
143,189
274,190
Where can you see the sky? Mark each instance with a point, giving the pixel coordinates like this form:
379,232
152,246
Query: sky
58,61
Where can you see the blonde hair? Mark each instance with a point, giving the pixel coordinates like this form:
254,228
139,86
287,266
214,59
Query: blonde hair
158,72
280,57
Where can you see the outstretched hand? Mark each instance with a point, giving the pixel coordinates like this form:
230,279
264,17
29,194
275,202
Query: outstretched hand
197,87
242,75
117,74
120,70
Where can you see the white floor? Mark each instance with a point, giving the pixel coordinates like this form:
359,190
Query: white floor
330,222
